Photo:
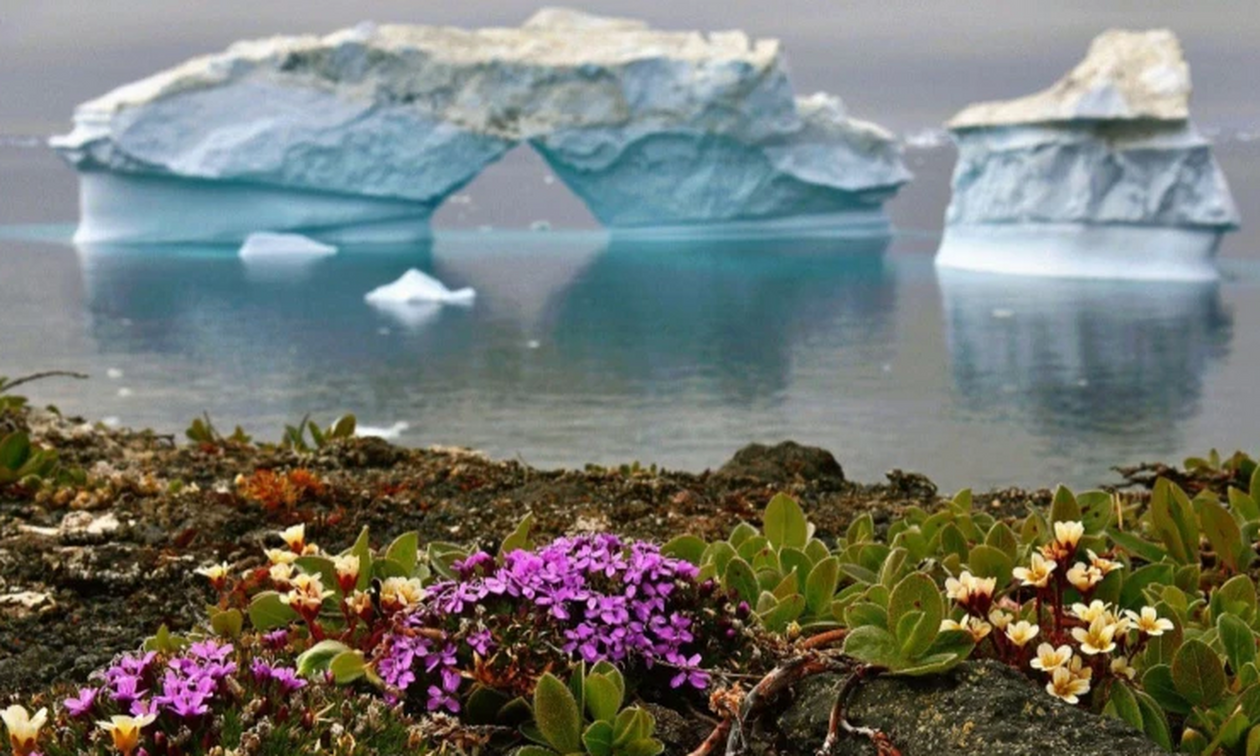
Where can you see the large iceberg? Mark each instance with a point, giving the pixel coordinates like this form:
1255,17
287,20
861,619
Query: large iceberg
1101,175
361,134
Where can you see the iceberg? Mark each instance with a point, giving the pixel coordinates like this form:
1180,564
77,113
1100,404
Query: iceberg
361,134
1102,175
265,245
415,287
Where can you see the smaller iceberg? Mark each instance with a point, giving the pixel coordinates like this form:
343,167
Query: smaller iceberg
390,433
265,245
1103,175
414,288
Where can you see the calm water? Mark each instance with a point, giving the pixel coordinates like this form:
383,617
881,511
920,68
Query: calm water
581,349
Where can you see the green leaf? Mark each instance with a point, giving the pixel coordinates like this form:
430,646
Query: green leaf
1243,506
1136,546
533,750
686,547
739,577
1001,537
1238,597
227,623
164,642
405,550
751,547
598,738
861,530
873,645
796,560
362,548
632,724
991,562
785,523
953,541
784,612
1096,511
321,567
556,714
962,502
15,448
1253,741
267,611
742,532
603,699
317,658
1064,508
1158,682
1124,706
820,585
344,427
1198,674
642,747
1238,640
519,538
347,667
1131,594
1173,517
1222,531
916,593
1154,723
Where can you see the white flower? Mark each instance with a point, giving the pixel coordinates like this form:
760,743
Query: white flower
281,556
1148,622
295,537
974,625
1070,681
1050,658
1099,638
1068,534
1120,667
126,731
1000,619
23,728
216,573
347,568
1037,573
1104,565
967,587
306,594
281,574
1022,632
1093,611
400,593
1084,577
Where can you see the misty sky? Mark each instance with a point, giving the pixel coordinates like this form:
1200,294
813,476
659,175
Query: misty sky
902,63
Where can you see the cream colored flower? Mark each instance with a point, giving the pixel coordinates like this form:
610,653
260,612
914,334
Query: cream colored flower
1022,632
281,556
974,625
23,728
1120,668
1084,577
400,593
1099,638
280,575
967,587
126,731
1148,622
1094,610
1068,534
294,537
1069,682
1000,619
347,567
306,594
1104,565
1037,573
217,574
1050,658
359,603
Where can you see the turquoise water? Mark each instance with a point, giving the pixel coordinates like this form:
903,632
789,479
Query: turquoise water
581,348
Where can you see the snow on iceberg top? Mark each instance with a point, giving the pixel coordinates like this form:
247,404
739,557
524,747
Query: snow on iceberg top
561,68
1125,76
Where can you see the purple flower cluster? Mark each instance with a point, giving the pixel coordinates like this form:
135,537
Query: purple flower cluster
597,597
186,687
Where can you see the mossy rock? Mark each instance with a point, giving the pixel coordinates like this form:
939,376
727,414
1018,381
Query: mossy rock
978,709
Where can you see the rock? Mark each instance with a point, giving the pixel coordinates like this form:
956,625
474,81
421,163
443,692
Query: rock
1101,175
363,133
978,709
784,463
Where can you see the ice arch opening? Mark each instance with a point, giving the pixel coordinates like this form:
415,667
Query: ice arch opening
365,132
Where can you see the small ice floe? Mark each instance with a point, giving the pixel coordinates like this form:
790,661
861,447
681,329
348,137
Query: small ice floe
269,246
389,434
926,139
124,392
533,344
113,374
540,225
415,287
1001,313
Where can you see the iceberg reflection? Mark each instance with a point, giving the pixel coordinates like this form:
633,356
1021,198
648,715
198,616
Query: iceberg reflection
1084,360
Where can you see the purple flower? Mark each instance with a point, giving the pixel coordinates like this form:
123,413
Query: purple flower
276,639
688,672
82,704
287,679
481,641
126,688
261,671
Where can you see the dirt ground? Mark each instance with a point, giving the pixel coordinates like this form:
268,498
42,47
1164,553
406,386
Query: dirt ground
87,573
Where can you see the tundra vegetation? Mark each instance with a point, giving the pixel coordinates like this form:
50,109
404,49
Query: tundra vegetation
1140,606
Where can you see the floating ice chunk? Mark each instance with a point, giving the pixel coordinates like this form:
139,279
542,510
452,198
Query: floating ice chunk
124,392
415,287
113,374
268,245
389,434
540,225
